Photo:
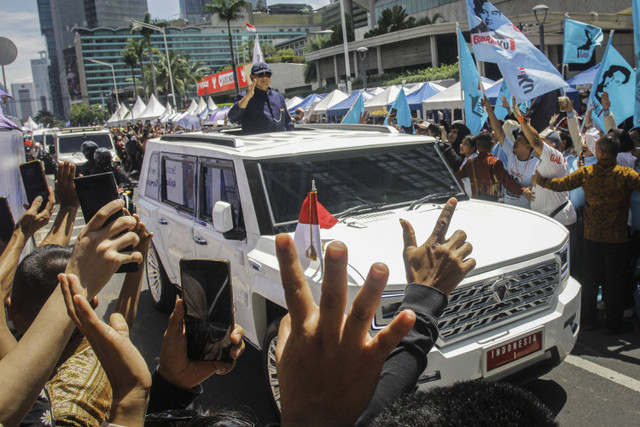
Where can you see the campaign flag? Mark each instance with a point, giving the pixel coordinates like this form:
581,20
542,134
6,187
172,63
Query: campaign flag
495,39
580,40
250,28
636,40
257,52
616,77
313,217
403,112
353,115
502,112
474,113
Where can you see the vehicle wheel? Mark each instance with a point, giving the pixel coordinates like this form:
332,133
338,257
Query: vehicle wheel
163,292
269,363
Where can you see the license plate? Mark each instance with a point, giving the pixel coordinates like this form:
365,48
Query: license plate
513,350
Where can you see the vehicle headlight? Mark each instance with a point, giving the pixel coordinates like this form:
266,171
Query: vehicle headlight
564,257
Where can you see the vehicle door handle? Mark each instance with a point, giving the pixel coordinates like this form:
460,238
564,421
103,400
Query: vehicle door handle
162,221
200,240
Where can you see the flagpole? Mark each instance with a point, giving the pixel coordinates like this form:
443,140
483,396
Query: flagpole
459,73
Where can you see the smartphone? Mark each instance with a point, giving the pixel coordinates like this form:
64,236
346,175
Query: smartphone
35,182
95,191
7,224
208,301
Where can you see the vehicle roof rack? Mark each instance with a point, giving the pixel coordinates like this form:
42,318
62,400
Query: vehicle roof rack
82,129
352,127
208,138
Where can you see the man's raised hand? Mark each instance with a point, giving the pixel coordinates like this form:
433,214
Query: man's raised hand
439,262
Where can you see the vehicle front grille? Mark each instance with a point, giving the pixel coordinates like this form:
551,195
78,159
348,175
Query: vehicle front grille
479,305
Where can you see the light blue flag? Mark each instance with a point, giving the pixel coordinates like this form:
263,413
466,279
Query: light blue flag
353,115
494,38
474,113
580,40
502,112
403,113
636,39
616,77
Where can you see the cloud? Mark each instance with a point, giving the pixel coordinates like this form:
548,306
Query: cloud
24,31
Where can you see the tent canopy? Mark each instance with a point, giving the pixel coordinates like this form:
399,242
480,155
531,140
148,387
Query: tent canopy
425,92
330,100
138,108
584,78
293,101
382,99
154,109
342,108
307,103
450,98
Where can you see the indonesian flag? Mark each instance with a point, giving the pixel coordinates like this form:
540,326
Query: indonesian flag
313,217
250,28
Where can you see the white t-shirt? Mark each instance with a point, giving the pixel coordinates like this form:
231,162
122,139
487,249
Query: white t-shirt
553,165
521,171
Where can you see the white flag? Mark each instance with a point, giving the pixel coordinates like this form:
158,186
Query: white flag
257,52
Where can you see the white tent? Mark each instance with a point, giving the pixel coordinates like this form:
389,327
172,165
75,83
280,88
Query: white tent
384,98
450,98
375,91
211,105
153,111
329,101
202,106
138,108
293,101
29,125
166,113
192,107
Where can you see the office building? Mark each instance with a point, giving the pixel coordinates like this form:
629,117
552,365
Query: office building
40,74
23,100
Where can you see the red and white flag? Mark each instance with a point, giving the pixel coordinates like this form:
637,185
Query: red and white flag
250,28
313,217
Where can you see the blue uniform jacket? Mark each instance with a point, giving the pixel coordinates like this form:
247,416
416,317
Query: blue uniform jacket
265,112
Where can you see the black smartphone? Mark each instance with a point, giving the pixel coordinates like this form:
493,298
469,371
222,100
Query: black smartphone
95,191
35,182
7,224
208,301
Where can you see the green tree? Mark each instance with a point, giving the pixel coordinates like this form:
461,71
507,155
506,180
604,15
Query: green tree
228,10
131,56
45,118
186,73
80,115
99,114
336,36
260,7
146,37
394,19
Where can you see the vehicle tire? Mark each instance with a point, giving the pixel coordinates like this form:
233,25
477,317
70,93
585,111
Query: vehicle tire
269,364
163,292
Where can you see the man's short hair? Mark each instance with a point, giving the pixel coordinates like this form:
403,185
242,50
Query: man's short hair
483,141
609,144
468,403
37,277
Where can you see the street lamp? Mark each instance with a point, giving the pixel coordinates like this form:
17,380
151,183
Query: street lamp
363,53
138,24
115,85
540,12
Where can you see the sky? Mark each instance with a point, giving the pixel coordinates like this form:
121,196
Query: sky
21,25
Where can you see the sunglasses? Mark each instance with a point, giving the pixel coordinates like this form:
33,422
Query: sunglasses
266,74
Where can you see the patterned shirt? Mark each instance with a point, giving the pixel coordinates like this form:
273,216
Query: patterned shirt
607,188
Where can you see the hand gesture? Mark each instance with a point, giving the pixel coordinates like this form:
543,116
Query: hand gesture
98,250
516,110
485,102
328,365
177,368
364,117
32,221
606,102
252,89
438,262
587,117
144,236
65,188
122,362
529,194
553,120
505,103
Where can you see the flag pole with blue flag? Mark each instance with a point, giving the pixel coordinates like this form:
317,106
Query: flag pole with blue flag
616,77
403,112
357,109
475,115
636,42
580,41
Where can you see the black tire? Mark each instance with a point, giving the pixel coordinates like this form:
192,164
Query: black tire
269,364
163,292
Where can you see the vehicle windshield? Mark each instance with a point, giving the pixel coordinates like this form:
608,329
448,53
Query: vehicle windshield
72,143
375,177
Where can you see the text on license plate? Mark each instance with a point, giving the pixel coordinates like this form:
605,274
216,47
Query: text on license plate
513,350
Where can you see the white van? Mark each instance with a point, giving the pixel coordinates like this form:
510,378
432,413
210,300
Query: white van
516,314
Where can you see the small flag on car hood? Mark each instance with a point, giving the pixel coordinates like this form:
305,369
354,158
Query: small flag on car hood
313,217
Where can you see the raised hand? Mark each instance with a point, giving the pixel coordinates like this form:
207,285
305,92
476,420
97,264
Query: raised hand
32,221
65,188
183,372
606,102
328,365
438,262
505,103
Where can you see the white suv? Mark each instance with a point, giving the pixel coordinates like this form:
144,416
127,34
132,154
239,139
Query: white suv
516,314
68,142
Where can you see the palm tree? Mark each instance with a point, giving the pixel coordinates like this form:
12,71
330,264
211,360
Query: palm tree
186,73
131,57
228,10
146,36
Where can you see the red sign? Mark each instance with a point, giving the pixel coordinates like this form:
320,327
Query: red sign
513,350
223,81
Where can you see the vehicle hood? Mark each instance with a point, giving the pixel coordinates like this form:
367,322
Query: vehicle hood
500,235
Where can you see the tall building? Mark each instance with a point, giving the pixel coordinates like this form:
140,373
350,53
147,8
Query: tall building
23,100
58,20
40,74
192,11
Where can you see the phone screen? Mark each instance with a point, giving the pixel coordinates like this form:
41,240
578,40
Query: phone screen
208,300
7,224
95,191
35,182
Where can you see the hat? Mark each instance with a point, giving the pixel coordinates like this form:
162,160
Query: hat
260,67
299,110
509,127
423,124
554,138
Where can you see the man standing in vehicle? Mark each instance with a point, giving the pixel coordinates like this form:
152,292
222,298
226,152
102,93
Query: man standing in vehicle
260,109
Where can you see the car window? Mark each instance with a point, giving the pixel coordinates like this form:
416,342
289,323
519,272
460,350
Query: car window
218,183
153,177
72,143
178,182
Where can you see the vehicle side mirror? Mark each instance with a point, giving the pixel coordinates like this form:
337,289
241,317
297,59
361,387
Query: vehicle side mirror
222,217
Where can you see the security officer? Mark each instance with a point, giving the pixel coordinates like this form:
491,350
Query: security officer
260,109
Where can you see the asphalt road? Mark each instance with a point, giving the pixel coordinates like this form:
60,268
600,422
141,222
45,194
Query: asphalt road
598,384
